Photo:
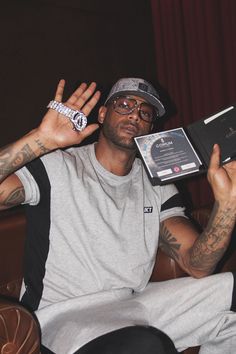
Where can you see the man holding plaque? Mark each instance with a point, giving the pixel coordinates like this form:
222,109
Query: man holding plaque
94,225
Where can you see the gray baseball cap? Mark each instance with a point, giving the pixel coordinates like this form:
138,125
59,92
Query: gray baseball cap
137,87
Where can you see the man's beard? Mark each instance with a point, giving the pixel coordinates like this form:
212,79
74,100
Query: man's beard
111,134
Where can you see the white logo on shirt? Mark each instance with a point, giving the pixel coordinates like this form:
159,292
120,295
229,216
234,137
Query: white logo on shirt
148,209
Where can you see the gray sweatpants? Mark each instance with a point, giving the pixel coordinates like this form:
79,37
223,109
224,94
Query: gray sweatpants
194,312
191,311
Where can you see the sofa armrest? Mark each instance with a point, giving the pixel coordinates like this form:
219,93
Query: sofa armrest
11,289
19,330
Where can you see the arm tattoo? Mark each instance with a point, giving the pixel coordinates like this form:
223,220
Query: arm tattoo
213,242
168,242
16,197
10,161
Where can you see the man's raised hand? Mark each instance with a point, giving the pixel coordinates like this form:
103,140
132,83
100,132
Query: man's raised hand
57,129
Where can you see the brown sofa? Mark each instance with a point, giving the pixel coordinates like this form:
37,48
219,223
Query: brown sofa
19,330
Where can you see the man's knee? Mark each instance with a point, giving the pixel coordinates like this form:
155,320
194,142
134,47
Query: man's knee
129,340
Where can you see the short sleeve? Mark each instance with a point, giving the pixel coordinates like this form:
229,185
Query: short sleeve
32,194
171,202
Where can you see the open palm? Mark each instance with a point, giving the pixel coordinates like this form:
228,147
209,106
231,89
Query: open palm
57,128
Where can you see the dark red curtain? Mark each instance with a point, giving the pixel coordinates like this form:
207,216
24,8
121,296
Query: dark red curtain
195,44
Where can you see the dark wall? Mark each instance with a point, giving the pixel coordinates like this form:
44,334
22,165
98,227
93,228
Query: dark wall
78,40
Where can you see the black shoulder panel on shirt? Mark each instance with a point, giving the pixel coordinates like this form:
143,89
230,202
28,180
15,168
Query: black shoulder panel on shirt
37,239
174,201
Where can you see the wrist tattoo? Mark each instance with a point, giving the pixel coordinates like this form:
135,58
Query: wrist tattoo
43,148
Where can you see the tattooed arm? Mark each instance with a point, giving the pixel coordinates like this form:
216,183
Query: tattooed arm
55,131
177,237
197,254
12,157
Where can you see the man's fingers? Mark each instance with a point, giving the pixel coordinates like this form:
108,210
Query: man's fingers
215,158
82,98
89,130
77,94
91,103
85,98
60,90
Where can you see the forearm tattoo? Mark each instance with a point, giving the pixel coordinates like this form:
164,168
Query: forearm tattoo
168,242
213,242
10,160
15,197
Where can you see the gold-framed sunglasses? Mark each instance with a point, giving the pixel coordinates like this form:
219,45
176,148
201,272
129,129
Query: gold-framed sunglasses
126,105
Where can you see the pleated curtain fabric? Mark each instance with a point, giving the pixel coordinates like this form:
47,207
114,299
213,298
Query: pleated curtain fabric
195,44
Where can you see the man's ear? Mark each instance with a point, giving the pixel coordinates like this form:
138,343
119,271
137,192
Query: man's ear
102,114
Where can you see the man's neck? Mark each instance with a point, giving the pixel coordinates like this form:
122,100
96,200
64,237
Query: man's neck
114,159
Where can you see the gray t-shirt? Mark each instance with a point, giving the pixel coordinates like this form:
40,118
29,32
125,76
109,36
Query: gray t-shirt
101,230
